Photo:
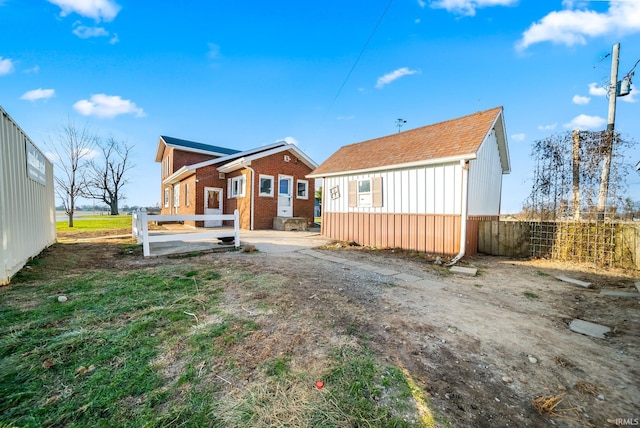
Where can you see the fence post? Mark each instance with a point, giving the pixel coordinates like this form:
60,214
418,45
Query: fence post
134,225
145,234
236,227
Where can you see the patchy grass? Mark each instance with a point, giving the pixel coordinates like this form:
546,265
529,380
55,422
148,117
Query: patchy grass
165,345
530,295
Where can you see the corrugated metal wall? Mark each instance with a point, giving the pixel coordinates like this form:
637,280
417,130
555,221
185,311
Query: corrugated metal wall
27,205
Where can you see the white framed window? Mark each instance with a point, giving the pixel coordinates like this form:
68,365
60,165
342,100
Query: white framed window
302,189
176,195
266,185
165,166
334,192
166,197
365,192
236,187
186,194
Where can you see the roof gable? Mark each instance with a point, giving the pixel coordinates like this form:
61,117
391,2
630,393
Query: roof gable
191,146
452,139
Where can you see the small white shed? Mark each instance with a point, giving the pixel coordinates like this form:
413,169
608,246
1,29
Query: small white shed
423,189
27,199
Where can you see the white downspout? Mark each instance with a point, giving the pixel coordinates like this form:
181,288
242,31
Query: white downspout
463,214
253,174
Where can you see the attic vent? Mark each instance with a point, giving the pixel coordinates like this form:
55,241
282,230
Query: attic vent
287,158
221,175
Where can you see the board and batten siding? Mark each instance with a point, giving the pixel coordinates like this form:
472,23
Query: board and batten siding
485,179
420,210
27,199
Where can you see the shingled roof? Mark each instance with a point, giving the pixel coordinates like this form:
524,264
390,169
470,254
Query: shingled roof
450,140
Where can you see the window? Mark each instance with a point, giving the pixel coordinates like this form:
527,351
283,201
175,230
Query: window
165,166
302,191
334,192
366,192
176,195
186,194
236,187
266,185
166,197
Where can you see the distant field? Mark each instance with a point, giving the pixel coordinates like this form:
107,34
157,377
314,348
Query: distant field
87,223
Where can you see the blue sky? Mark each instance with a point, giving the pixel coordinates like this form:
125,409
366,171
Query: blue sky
321,74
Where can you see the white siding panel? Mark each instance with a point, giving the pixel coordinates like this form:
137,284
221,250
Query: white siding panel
421,191
485,179
431,195
424,190
27,207
408,184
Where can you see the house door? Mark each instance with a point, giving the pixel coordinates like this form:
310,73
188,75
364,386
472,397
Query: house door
212,205
285,196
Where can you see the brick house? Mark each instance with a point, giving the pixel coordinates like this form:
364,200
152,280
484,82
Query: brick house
267,184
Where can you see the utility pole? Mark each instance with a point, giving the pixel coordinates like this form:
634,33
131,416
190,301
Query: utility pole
576,175
609,134
399,123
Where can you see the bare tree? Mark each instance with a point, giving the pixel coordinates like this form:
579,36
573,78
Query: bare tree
567,167
73,148
108,175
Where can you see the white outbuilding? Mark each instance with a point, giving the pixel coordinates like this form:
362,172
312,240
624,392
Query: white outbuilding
27,199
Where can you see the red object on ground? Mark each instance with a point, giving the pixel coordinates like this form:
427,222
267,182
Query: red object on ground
319,384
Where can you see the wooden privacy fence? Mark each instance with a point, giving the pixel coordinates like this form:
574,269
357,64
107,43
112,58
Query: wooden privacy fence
140,228
610,244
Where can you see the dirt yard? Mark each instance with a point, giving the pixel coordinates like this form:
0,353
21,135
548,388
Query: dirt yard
483,347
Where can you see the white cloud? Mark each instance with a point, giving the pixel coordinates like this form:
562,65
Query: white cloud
579,99
99,10
390,77
572,27
214,51
585,122
102,105
38,94
114,39
34,69
597,91
550,127
417,20
85,32
518,137
6,66
468,7
351,117
422,3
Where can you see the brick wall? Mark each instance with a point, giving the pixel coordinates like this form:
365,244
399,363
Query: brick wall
266,207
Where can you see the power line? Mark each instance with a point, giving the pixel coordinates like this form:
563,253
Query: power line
364,48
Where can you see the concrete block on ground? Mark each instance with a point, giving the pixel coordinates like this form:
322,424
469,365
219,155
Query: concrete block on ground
464,270
407,277
289,223
589,328
616,293
574,281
